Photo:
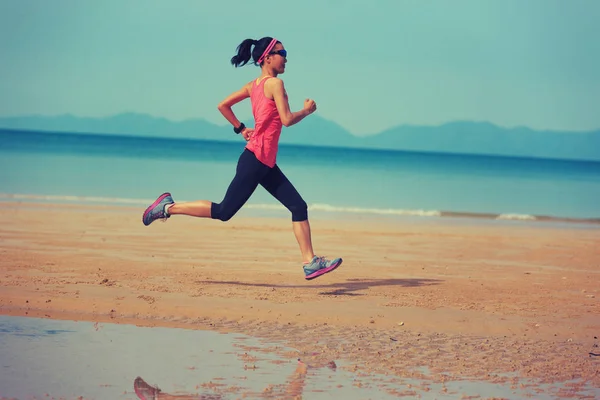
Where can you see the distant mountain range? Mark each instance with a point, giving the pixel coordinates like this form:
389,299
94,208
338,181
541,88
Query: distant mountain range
455,137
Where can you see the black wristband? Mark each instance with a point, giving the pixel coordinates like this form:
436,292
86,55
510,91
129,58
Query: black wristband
239,129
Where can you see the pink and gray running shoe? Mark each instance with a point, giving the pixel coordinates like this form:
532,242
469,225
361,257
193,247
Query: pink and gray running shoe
319,266
157,209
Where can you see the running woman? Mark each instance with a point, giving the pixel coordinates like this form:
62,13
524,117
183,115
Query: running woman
257,164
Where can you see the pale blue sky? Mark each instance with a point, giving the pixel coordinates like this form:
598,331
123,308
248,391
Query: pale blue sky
368,65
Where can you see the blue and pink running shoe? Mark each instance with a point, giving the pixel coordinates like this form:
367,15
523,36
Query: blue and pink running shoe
319,266
157,209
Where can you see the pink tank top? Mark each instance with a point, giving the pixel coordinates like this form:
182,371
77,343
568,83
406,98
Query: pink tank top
267,126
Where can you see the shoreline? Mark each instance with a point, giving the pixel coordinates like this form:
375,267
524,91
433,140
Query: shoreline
324,211
465,300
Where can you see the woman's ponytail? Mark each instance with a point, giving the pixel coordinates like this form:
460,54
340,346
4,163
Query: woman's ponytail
244,53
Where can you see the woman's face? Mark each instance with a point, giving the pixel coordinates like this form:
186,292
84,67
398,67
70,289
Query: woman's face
277,58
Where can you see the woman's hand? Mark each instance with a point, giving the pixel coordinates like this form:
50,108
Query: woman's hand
247,133
310,106
275,88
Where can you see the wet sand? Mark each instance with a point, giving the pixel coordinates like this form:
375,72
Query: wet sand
503,303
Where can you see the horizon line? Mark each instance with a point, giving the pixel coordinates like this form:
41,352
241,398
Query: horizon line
595,130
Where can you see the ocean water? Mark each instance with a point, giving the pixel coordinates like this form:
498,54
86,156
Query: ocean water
43,166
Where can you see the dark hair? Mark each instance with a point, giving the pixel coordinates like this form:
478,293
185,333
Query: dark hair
245,51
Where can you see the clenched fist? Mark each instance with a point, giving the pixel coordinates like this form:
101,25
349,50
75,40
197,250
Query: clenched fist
310,105
247,133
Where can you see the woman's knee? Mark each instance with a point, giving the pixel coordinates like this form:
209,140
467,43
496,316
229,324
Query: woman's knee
299,211
225,217
220,213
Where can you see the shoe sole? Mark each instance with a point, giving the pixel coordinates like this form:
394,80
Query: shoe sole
160,198
323,271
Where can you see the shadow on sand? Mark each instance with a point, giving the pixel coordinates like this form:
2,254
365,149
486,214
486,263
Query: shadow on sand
347,288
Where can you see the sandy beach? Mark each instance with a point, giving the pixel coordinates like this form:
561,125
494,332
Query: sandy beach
471,300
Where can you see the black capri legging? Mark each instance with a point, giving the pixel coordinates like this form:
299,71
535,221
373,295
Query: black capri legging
249,174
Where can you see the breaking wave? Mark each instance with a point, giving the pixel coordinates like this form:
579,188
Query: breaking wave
313,207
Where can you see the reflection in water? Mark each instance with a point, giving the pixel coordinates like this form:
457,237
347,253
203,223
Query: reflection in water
146,392
42,358
293,388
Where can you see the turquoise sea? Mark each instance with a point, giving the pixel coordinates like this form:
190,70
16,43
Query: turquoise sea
64,167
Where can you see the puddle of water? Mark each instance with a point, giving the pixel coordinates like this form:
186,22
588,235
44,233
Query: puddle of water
42,358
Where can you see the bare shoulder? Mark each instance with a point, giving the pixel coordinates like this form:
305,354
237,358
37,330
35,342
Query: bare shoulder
274,85
274,82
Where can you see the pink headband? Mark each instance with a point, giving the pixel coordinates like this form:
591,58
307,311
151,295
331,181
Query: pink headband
267,50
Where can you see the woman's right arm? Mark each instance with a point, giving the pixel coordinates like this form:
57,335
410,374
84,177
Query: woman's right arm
234,98
288,118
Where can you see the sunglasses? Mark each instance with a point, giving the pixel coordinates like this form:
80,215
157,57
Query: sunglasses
282,53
